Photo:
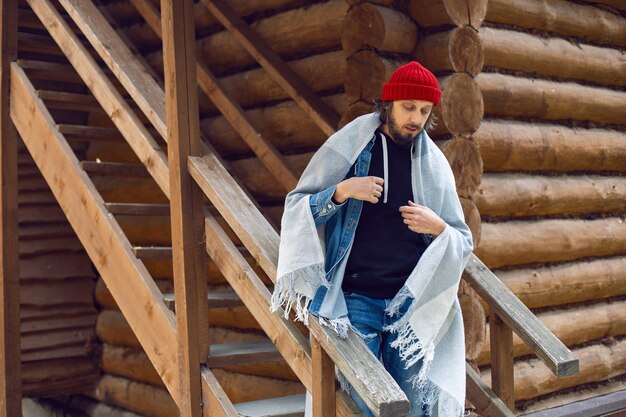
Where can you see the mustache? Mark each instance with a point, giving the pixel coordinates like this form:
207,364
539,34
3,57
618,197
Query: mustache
413,126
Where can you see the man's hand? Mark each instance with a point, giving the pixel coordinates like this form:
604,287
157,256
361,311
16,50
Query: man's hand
360,188
421,219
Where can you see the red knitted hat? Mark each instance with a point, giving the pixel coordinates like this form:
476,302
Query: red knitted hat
412,82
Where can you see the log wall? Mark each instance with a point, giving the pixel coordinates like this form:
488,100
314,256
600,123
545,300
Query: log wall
553,143
531,120
57,281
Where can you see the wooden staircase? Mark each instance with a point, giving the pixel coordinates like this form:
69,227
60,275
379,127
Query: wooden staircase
211,215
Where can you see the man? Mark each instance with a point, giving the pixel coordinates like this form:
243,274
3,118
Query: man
373,240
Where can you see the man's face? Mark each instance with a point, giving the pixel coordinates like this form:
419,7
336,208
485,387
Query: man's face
406,119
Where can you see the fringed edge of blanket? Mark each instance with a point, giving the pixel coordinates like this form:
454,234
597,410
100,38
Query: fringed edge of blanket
297,289
411,351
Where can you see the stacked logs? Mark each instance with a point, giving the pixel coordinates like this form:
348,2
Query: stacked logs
552,197
449,46
57,311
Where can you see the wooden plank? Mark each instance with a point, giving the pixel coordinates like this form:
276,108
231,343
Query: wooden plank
114,168
519,318
355,361
287,338
90,133
189,253
483,398
10,371
323,381
215,299
603,405
292,406
134,209
118,57
68,101
241,353
266,152
501,341
131,285
105,92
313,106
153,252
215,402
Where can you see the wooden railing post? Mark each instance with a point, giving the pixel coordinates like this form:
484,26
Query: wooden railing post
10,372
501,341
324,402
188,249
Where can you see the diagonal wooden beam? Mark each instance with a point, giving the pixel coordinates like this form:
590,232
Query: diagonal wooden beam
380,392
137,136
10,366
324,116
118,57
126,277
265,151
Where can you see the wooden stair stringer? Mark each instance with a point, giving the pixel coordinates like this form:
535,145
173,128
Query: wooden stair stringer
104,241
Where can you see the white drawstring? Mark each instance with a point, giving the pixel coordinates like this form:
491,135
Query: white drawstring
385,169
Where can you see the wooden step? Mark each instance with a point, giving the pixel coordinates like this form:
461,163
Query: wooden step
50,71
292,406
613,404
68,101
138,209
242,353
153,252
88,133
119,169
216,299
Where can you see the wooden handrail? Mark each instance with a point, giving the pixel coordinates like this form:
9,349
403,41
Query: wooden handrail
373,383
520,319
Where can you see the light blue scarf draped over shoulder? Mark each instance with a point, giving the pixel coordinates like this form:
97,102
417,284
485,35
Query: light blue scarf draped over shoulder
432,328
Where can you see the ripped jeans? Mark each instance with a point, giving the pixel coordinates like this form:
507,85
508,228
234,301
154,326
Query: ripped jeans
368,317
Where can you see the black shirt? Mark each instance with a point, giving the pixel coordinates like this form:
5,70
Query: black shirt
384,251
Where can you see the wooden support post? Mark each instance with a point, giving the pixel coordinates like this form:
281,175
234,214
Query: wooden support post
189,253
10,375
323,381
502,359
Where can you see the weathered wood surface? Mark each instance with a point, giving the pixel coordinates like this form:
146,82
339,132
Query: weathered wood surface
103,240
483,398
257,87
384,29
136,396
111,101
67,375
598,362
562,18
188,252
117,56
518,318
593,323
506,95
366,72
284,124
315,29
462,105
262,241
501,342
458,50
519,146
323,391
552,57
464,158
568,283
281,73
529,242
10,372
615,4
472,218
521,195
474,321
448,12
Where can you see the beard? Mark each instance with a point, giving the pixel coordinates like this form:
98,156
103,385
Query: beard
405,140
